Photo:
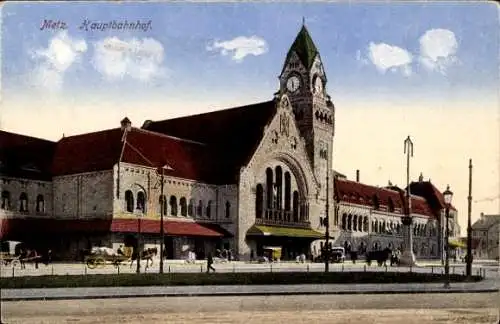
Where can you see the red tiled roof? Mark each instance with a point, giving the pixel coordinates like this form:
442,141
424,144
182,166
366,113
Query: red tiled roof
362,194
25,157
427,190
232,135
87,152
186,159
24,227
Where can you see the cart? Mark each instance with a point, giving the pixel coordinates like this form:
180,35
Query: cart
8,253
99,259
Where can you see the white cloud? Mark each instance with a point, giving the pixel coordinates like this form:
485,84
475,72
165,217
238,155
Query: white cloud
140,59
62,52
437,49
240,47
393,58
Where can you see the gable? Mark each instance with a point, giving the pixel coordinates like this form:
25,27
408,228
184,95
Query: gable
281,141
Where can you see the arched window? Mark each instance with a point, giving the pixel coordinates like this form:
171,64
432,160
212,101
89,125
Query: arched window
390,205
279,187
375,202
344,221
376,227
349,222
365,224
191,208
209,209
163,204
5,200
199,209
228,209
23,202
295,206
259,201
129,201
360,223
183,204
40,204
355,223
288,191
173,205
141,201
269,188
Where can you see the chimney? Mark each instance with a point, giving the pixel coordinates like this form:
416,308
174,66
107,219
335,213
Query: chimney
357,175
421,177
126,124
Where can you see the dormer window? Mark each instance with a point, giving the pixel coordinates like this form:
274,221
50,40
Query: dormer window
390,205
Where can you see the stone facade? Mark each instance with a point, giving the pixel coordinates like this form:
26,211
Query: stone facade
84,196
25,198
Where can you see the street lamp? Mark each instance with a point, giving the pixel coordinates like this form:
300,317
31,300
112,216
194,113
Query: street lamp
468,268
327,225
408,257
138,252
448,195
163,203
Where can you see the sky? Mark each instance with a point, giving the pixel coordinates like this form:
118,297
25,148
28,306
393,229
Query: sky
425,70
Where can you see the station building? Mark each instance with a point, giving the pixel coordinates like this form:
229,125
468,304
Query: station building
241,178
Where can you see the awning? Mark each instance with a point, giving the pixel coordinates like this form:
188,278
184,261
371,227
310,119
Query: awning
22,227
175,228
456,244
262,230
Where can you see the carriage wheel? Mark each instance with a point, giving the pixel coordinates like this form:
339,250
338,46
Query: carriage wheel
91,263
100,262
15,263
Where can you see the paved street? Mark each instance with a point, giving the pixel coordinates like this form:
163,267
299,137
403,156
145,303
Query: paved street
177,266
411,308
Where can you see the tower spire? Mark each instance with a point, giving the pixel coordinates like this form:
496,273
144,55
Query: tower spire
303,21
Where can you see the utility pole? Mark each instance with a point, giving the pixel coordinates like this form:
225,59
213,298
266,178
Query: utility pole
162,230
327,218
468,269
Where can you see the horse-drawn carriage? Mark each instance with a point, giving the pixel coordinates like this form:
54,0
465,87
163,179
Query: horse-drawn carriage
102,256
15,253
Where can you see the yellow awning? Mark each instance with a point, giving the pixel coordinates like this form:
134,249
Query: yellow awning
262,230
456,244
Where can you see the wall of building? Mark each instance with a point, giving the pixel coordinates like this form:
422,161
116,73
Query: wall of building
83,196
32,189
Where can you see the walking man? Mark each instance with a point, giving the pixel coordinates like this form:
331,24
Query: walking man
210,261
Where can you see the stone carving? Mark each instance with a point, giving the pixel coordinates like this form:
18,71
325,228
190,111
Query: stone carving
275,137
284,125
294,143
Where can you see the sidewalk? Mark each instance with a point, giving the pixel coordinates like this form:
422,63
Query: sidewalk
486,286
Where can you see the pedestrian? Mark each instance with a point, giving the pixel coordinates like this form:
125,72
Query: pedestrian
251,256
210,261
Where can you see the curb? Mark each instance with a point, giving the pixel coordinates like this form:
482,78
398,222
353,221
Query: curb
234,294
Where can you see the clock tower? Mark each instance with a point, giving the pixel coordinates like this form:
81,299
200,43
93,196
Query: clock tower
303,79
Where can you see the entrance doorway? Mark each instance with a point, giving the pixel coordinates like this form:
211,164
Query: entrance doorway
169,247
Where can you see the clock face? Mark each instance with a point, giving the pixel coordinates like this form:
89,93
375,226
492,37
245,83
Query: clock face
293,83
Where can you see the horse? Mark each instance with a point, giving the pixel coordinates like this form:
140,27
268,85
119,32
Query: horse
28,255
146,254
380,256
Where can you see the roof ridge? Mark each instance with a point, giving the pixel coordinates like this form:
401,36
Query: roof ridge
89,133
28,136
147,131
214,111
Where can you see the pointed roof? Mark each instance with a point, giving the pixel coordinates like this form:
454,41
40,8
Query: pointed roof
304,47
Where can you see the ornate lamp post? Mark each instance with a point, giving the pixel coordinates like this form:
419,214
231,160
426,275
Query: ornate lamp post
407,257
448,195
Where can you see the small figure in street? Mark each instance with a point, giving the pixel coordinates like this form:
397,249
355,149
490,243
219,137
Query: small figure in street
120,250
252,257
354,256
210,262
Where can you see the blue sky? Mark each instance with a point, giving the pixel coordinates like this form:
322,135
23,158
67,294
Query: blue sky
341,31
425,69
